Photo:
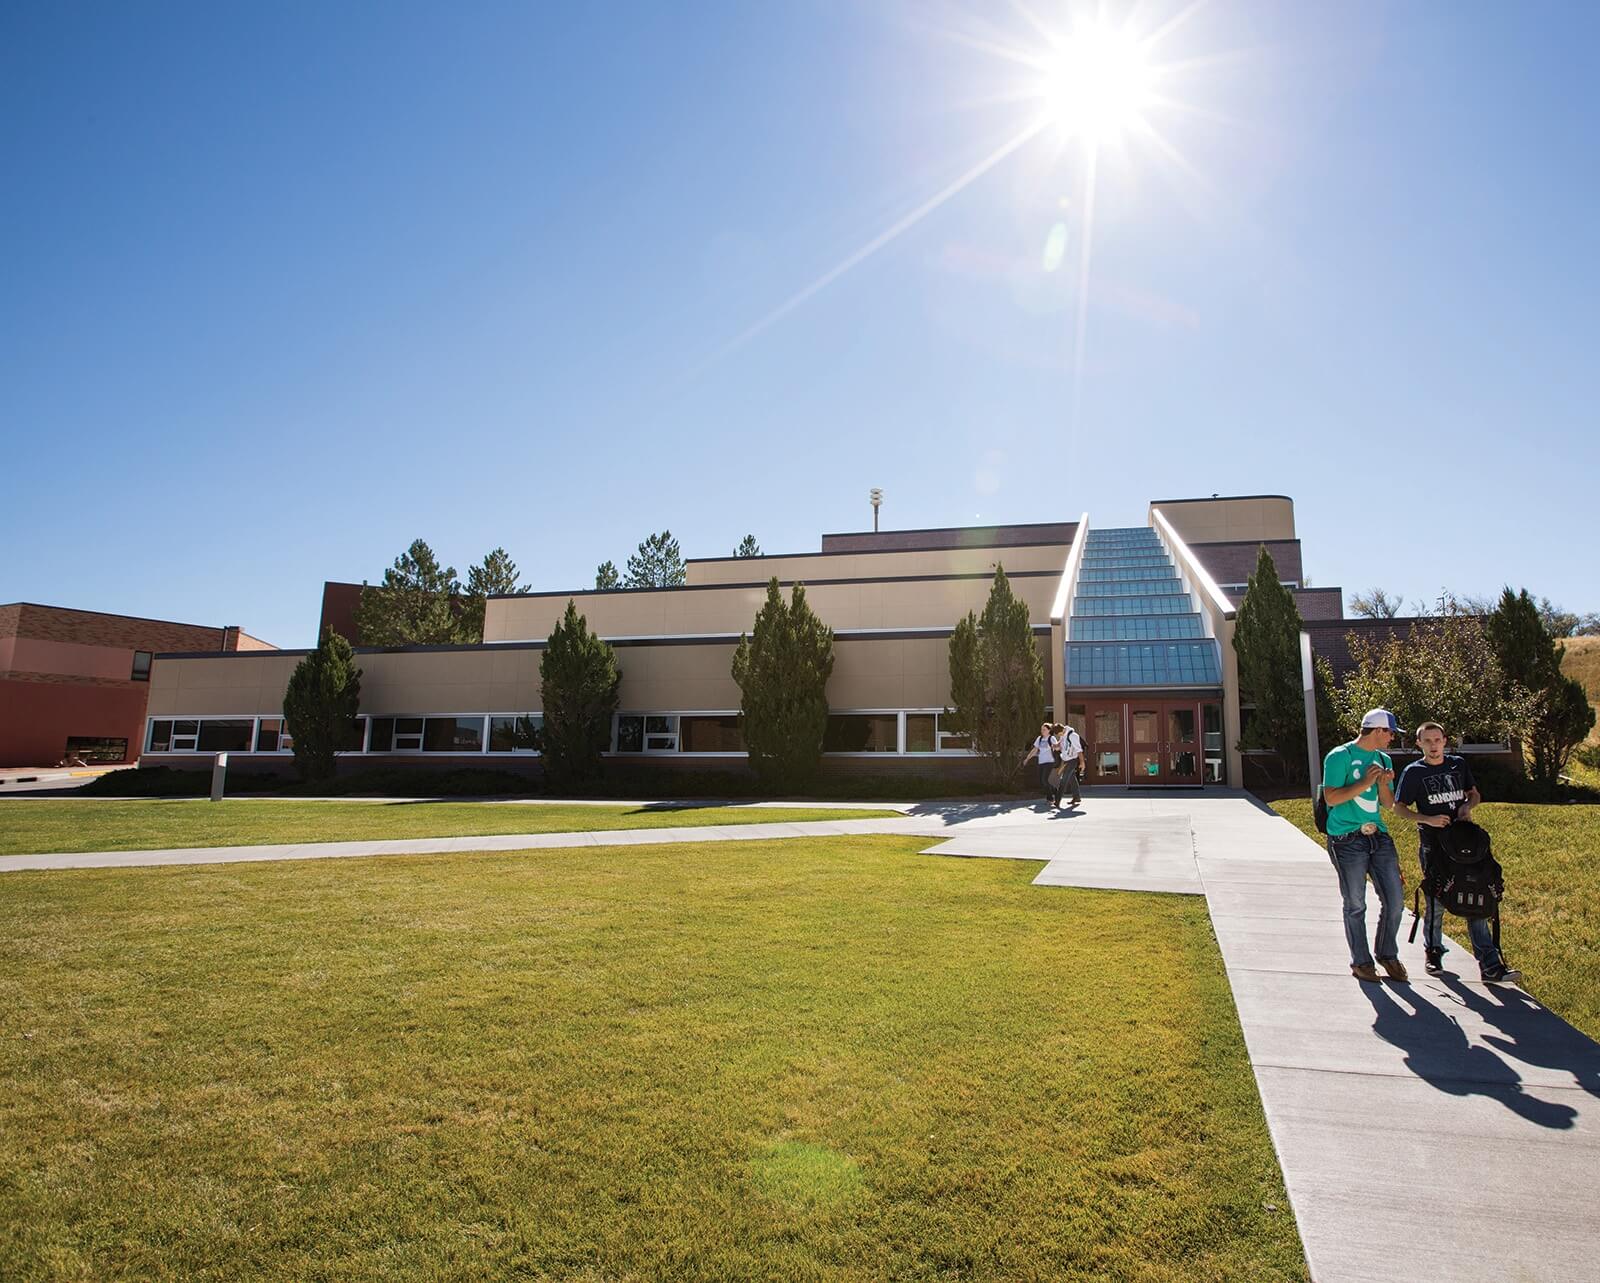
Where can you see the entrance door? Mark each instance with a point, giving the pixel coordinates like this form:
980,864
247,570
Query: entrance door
1146,746
1144,741
1105,744
1181,764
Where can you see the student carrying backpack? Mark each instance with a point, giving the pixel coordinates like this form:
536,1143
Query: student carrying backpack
1459,872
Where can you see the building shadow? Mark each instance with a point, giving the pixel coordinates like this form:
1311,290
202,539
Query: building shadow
1532,1033
1437,1051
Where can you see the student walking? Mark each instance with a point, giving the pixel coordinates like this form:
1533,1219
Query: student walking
1436,792
1044,750
1071,756
1356,783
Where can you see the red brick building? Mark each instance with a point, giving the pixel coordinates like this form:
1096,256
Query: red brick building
75,681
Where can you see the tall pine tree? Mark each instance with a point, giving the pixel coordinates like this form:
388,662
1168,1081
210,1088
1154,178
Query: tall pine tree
496,576
782,669
1530,658
579,679
997,681
657,564
413,605
1266,638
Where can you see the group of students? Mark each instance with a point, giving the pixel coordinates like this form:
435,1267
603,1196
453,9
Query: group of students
1059,752
1436,791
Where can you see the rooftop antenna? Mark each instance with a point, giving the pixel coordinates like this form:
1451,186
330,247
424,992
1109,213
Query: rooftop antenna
876,495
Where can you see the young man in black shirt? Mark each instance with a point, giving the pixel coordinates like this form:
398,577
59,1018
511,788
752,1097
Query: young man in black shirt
1434,792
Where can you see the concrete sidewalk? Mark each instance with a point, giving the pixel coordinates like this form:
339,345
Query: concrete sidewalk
1440,1129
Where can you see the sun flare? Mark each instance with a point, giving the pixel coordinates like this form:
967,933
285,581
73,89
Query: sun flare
1097,84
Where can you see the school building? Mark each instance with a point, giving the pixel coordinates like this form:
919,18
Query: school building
1134,626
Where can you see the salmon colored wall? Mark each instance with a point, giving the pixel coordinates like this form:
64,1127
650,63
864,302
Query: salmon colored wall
37,717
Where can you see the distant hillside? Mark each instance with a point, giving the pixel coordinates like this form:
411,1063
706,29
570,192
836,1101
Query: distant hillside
1582,660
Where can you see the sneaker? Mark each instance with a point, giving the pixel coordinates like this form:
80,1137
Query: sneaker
1501,975
1365,971
1435,965
1394,968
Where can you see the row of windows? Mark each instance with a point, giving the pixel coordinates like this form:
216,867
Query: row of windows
1136,628
1167,604
1104,574
1101,561
1150,587
1172,664
700,733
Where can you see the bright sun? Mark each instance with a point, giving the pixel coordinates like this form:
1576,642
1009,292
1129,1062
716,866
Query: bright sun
1097,84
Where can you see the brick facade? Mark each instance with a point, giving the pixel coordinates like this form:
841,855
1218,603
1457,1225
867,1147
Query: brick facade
69,673
1047,532
1235,562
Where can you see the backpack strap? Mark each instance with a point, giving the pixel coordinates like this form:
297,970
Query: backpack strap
1416,914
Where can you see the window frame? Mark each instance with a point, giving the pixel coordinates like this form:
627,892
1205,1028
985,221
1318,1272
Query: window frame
149,659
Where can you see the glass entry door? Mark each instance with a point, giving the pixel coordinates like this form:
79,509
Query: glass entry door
1182,748
1146,755
1105,745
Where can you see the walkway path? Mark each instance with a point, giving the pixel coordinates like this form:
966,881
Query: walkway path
1440,1129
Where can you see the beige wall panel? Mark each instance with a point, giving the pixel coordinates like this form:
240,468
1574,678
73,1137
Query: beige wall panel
514,665
878,565
1219,520
870,603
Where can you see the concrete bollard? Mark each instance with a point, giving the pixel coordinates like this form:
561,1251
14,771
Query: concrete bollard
219,775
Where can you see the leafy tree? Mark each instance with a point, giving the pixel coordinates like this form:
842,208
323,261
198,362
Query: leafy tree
320,705
1266,638
579,678
748,547
1557,622
782,669
1530,658
606,576
496,576
657,564
997,681
1444,670
1375,603
413,606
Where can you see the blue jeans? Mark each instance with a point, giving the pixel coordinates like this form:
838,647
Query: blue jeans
1478,929
1354,856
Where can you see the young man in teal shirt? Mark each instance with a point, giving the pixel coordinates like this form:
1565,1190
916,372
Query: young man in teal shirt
1357,781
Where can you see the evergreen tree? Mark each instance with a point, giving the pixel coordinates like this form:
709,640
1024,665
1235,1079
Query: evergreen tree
413,606
748,547
320,706
782,669
657,564
579,678
997,681
1266,638
1530,658
496,576
606,576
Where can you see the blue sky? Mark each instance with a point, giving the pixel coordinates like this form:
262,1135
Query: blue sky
285,287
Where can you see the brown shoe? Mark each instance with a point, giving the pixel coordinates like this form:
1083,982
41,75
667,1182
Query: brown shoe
1366,971
1394,968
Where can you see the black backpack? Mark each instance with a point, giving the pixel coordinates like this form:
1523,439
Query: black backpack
1319,812
1463,875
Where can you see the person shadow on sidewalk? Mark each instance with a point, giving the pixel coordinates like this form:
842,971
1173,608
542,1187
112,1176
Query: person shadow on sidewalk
1438,1052
1533,1034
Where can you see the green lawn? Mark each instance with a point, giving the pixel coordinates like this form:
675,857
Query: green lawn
779,1060
28,826
1550,921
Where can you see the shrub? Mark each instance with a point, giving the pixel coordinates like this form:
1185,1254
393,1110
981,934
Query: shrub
579,678
782,669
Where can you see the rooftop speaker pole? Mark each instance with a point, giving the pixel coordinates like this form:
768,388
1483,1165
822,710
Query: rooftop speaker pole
876,495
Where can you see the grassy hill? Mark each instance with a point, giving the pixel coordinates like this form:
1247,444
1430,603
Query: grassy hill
1582,660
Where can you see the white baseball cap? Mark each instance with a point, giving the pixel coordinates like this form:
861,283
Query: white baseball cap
1380,719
